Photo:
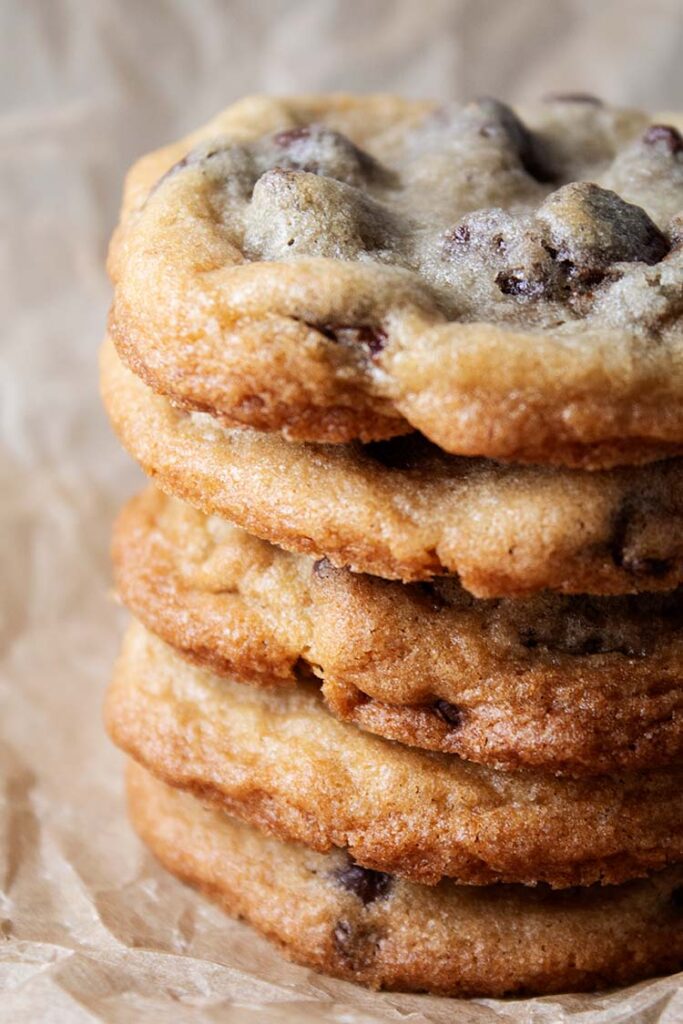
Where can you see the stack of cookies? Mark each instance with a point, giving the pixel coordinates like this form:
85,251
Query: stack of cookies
405,683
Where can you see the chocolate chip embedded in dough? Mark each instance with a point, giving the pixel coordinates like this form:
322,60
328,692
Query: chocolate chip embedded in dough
589,228
515,282
510,248
365,883
449,713
323,568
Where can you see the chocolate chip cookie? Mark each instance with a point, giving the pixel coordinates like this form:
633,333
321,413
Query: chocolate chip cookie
326,912
402,509
278,759
569,684
509,284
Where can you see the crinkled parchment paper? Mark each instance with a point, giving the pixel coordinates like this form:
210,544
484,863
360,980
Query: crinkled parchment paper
90,928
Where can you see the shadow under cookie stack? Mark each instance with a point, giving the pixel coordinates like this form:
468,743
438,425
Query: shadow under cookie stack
404,688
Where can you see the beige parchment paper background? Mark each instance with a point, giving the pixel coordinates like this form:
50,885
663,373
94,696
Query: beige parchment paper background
90,928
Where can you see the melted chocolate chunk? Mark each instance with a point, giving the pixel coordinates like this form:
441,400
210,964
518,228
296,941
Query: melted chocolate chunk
666,134
449,713
366,884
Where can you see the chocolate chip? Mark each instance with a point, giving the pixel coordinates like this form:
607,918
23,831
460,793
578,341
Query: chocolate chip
450,714
365,883
573,97
374,338
460,236
322,568
515,283
666,134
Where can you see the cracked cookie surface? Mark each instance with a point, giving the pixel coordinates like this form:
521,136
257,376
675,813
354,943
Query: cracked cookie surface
326,912
278,759
403,509
336,268
568,684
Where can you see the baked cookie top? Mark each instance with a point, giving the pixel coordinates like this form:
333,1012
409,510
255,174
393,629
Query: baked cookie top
329,913
334,267
278,759
567,684
403,509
